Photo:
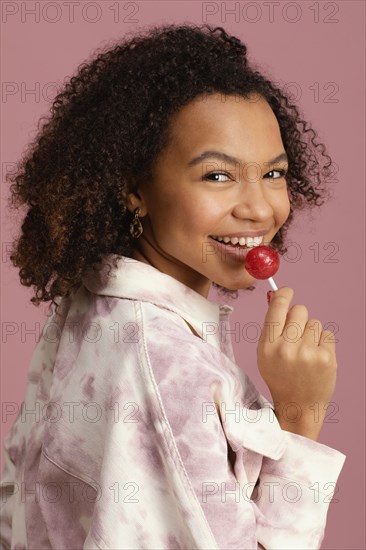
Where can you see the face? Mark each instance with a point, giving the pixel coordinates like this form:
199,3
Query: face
192,198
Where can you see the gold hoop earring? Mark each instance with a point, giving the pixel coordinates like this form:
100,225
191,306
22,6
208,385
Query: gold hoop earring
135,226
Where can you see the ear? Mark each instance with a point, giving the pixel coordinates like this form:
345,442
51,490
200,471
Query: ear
133,200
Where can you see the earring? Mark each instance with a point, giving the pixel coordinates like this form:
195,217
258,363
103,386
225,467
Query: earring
135,226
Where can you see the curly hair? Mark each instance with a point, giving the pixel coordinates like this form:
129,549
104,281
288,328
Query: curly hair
106,128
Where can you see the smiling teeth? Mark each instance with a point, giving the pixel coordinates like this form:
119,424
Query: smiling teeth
243,241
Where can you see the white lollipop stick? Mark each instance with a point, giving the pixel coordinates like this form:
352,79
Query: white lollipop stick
272,284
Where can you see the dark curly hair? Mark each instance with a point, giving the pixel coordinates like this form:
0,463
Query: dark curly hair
108,125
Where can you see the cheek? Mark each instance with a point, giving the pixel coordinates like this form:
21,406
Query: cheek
180,216
282,208
194,217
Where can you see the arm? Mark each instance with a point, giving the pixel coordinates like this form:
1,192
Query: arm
7,488
9,485
294,493
299,372
203,397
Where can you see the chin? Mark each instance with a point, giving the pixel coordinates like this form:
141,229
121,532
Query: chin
238,286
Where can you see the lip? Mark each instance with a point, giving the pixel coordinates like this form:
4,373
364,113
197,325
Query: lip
238,253
245,234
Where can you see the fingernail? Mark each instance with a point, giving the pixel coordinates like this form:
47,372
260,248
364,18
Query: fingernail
269,295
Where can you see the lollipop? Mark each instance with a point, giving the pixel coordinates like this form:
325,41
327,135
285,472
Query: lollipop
262,262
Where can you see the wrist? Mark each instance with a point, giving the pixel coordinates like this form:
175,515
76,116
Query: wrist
311,432
305,426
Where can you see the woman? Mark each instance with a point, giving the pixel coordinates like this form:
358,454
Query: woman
145,432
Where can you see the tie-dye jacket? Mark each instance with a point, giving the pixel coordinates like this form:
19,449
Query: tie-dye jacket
139,431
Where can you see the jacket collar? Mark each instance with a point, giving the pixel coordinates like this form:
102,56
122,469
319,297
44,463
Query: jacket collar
135,280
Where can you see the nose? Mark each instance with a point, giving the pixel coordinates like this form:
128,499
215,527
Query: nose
253,203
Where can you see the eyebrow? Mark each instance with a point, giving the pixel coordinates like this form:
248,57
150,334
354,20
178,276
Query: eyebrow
229,159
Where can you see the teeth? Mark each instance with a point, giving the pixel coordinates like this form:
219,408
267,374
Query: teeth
250,241
243,241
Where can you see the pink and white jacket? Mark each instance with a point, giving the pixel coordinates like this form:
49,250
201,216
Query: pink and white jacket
138,430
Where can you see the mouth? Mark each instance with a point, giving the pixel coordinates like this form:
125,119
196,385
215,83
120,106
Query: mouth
235,242
235,249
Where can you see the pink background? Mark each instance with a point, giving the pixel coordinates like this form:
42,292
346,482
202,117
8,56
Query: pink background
302,43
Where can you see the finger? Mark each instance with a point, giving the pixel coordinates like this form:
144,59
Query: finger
275,318
296,320
328,340
312,332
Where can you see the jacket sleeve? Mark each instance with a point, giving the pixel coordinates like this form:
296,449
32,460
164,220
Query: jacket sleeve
294,493
294,477
15,444
7,488
11,524
258,485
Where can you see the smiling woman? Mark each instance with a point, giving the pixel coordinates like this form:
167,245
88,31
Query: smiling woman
184,207
134,97
161,155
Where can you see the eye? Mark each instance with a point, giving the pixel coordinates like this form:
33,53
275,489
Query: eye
207,176
281,172
213,176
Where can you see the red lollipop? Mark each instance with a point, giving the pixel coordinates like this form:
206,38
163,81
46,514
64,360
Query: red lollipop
262,262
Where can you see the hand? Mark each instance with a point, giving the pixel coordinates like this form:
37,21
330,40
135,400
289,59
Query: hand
297,360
